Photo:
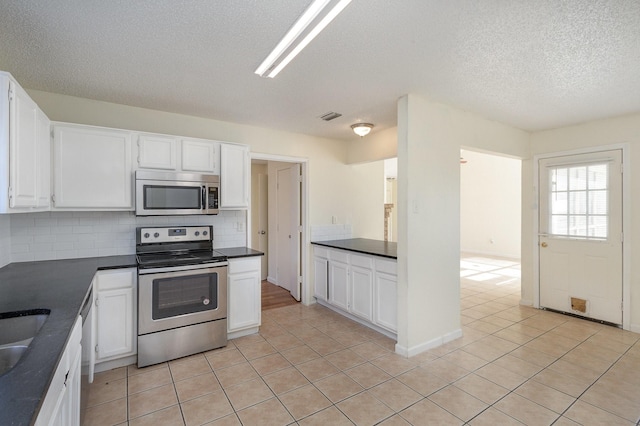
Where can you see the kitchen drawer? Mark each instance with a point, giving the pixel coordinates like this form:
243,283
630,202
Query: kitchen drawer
388,266
362,261
321,252
339,256
247,264
116,278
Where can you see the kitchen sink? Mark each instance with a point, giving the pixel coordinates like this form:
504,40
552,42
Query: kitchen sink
9,356
17,330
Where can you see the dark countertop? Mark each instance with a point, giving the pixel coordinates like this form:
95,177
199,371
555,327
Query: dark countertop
58,285
234,252
363,245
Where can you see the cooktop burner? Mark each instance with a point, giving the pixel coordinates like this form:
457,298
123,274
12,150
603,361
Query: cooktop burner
175,246
176,259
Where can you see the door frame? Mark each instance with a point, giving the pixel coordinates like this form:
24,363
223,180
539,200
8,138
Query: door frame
306,294
626,222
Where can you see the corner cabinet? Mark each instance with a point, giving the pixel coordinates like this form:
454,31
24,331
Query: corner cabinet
115,314
244,310
61,404
25,151
235,174
359,286
91,168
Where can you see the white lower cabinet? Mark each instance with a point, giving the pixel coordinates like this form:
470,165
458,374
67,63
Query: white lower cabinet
339,284
115,313
361,297
320,272
244,312
61,405
386,295
362,286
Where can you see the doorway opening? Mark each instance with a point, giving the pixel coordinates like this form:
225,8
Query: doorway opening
490,222
278,223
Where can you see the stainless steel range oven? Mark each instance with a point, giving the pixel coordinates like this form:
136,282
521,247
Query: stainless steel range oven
182,293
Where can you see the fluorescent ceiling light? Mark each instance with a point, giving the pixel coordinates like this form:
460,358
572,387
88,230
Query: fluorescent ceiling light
320,13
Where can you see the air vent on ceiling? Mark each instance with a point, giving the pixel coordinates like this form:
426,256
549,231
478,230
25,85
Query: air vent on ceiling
330,116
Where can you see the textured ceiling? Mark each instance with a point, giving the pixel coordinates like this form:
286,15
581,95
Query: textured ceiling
531,64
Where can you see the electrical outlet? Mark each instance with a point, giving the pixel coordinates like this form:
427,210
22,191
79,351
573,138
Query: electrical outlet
334,219
240,226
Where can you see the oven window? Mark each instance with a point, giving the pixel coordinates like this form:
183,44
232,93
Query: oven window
172,197
184,295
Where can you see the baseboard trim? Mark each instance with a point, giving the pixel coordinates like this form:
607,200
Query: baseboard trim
116,363
433,343
512,256
635,328
372,326
272,280
242,333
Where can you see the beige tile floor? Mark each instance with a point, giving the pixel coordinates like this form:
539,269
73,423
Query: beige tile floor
310,366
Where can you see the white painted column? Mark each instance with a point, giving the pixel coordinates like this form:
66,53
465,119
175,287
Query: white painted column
428,225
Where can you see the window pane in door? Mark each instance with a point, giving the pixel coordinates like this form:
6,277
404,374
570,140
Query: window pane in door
578,204
559,203
598,226
577,178
598,202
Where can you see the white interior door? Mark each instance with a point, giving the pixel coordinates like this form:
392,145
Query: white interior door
580,242
260,215
288,234
262,221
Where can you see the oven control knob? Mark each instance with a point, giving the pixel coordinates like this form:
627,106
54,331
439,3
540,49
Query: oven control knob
156,235
197,233
146,235
205,301
204,233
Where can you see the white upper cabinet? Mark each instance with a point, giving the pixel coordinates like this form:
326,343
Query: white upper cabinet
24,150
43,163
91,168
200,156
157,151
166,152
235,170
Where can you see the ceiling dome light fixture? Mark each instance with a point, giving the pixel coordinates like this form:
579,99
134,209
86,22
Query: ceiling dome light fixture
362,129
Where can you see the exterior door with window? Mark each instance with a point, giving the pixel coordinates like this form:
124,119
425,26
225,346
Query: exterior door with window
580,242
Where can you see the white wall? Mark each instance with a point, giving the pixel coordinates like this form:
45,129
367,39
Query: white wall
65,235
619,130
430,136
5,239
378,145
490,204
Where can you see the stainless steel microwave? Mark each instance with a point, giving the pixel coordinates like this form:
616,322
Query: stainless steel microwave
168,193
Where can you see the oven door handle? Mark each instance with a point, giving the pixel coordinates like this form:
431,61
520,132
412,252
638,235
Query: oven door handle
203,266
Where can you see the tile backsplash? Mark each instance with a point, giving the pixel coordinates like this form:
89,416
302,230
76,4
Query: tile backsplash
5,240
64,235
330,232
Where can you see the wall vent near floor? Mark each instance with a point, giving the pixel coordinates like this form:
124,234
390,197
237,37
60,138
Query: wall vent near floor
330,116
